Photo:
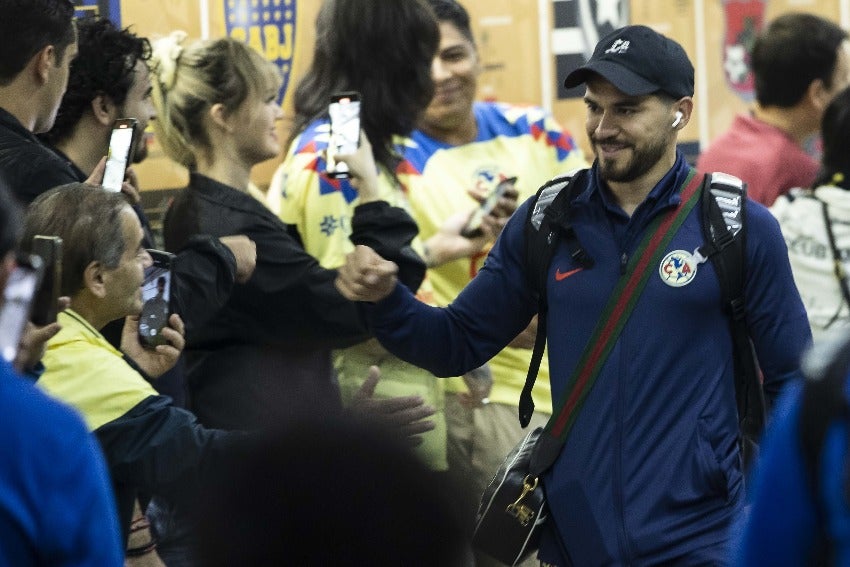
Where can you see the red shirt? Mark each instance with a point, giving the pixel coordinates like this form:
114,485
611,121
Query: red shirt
764,156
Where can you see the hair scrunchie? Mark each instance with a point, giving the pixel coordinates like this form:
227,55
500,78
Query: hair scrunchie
166,55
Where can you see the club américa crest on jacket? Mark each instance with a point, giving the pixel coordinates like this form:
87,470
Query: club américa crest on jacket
679,267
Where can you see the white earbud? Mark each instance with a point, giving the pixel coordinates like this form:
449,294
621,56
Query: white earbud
679,117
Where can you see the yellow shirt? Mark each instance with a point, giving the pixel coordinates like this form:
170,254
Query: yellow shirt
322,208
86,372
512,141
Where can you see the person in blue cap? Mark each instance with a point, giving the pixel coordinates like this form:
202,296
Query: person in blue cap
650,472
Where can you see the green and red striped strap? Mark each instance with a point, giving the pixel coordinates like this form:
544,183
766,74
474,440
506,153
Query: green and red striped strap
620,306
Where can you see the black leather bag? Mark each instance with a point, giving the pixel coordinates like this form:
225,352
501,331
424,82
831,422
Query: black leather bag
513,509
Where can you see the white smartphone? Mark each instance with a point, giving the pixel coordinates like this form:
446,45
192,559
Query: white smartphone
17,302
120,153
344,112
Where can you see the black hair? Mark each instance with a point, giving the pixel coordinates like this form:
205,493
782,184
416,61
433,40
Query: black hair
835,131
27,27
382,49
794,50
454,13
105,64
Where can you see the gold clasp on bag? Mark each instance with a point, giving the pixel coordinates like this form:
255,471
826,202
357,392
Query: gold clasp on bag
518,510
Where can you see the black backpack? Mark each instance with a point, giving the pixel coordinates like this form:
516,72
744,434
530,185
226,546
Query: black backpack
723,204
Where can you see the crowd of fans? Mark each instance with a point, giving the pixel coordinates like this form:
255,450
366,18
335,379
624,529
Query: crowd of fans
294,411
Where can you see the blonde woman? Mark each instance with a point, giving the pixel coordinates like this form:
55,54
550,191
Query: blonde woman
265,355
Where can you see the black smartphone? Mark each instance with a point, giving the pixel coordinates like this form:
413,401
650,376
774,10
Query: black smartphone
156,294
473,225
344,112
45,306
17,302
120,153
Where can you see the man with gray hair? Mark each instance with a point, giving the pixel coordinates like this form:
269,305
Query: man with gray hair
56,505
150,445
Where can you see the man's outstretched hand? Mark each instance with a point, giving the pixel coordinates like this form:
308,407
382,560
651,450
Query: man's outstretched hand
407,415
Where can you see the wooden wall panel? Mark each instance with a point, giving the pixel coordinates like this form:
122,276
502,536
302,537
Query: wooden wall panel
508,37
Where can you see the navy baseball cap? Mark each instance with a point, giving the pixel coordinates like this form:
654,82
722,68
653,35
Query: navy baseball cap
639,61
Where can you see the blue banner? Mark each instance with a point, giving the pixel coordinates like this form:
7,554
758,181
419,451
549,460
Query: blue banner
105,8
268,26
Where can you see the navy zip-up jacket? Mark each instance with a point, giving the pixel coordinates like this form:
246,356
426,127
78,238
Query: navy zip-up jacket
650,472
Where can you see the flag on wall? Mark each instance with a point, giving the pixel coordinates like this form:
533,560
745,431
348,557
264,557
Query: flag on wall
268,26
578,26
743,20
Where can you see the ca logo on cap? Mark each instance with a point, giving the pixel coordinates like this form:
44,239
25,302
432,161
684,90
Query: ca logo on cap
678,268
619,46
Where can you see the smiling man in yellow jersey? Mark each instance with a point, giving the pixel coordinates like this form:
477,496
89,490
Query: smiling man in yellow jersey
461,146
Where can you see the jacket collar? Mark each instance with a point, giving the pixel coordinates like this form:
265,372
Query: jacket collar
8,121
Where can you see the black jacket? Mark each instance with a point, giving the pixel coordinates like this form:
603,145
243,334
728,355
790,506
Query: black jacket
156,448
27,166
266,353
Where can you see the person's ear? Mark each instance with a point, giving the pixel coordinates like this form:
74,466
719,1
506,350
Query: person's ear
818,95
682,113
220,117
104,110
94,279
44,61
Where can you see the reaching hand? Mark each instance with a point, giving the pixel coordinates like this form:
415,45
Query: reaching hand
366,276
155,362
406,415
130,187
449,244
493,223
363,171
479,383
245,251
34,339
96,177
526,338
33,342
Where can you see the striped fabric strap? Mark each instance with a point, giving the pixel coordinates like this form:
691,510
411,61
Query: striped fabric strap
620,306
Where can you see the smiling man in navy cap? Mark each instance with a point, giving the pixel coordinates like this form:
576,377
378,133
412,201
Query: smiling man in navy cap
650,471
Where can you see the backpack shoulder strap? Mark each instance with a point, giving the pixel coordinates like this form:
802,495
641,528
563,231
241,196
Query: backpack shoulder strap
548,221
724,201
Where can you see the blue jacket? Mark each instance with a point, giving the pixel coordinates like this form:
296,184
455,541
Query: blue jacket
650,472
783,523
56,504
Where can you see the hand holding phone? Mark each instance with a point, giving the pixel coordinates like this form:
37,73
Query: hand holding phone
156,294
473,227
46,304
344,113
120,153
